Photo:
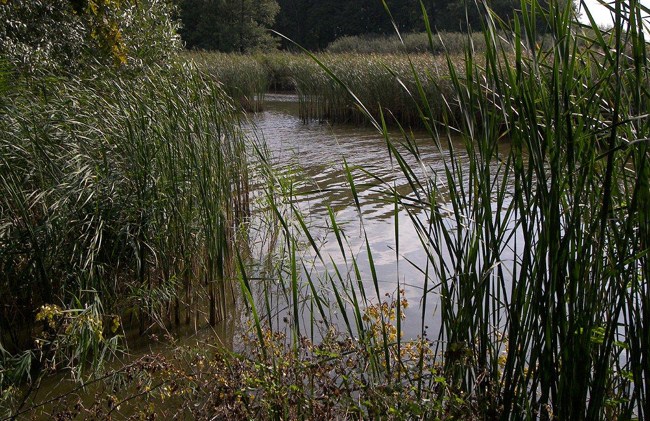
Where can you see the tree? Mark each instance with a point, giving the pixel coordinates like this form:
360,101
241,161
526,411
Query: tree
461,15
228,25
314,24
66,34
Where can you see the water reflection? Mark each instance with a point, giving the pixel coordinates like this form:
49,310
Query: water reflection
319,151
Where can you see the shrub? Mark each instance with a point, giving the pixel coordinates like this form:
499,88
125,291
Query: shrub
68,36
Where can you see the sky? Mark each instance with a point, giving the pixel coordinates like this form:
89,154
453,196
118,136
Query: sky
602,15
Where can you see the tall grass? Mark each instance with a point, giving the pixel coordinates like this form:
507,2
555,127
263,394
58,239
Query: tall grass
412,43
381,81
242,76
536,252
119,193
537,257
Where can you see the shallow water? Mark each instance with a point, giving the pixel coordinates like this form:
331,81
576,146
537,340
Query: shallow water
313,155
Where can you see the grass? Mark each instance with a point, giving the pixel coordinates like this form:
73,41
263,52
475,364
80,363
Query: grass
536,253
412,43
382,82
120,197
243,77
537,258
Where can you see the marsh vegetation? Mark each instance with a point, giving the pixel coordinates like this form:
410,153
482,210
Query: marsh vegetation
524,190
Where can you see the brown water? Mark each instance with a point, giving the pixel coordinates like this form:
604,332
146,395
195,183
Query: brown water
312,154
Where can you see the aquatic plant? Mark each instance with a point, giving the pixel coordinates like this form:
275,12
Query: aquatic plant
535,236
411,43
119,195
535,232
381,81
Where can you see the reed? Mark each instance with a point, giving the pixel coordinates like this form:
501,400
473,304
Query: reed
536,241
243,77
535,233
381,81
119,194
413,43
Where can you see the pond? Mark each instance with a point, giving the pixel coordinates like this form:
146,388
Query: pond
312,155
308,159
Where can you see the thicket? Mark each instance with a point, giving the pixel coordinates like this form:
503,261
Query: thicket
241,26
316,25
122,172
64,36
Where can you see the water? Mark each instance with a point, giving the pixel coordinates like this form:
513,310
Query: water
313,155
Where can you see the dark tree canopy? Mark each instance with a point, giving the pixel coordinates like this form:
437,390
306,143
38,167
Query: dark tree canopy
240,25
228,25
316,23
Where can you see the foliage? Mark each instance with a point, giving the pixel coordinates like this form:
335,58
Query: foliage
534,230
244,77
463,15
118,190
271,379
330,379
316,25
150,32
536,245
66,35
378,80
411,43
228,25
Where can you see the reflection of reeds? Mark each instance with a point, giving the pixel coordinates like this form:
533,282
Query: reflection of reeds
123,191
540,273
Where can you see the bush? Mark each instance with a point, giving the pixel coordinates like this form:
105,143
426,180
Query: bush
68,36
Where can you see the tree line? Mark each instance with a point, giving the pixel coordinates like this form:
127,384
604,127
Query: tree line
243,25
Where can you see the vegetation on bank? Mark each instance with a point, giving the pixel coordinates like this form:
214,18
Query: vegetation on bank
228,26
453,43
123,174
122,189
244,25
536,254
384,83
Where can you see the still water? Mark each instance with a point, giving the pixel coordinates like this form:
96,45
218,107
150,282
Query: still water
312,155
308,158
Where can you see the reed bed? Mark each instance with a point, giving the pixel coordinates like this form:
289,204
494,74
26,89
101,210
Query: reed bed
242,76
383,82
411,43
537,256
120,197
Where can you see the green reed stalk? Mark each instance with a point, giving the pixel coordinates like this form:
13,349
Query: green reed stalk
534,230
119,191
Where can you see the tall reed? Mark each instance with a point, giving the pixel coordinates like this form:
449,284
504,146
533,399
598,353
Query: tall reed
536,244
381,81
411,43
119,190
242,76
